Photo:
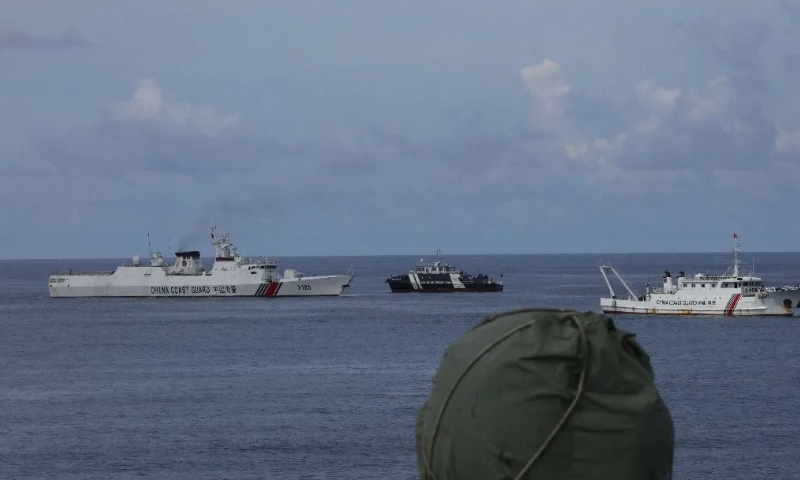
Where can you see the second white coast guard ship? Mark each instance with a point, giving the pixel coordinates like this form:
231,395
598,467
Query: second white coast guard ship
231,276
726,294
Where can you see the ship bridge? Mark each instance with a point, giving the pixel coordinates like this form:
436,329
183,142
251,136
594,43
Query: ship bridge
187,263
436,267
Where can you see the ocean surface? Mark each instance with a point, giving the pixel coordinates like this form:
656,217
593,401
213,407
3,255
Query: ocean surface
329,388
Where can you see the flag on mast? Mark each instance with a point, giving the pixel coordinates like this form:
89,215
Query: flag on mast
735,235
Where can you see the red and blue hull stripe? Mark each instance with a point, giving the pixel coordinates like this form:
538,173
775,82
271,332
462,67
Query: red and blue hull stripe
268,289
732,303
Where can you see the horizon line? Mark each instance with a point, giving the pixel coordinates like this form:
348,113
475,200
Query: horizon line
450,254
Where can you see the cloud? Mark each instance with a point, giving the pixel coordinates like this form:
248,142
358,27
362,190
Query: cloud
716,101
791,8
546,88
721,127
598,152
736,44
658,101
111,148
714,128
710,105
149,104
657,98
16,40
787,142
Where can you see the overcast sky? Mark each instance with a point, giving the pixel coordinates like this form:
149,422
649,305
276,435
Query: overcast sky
364,127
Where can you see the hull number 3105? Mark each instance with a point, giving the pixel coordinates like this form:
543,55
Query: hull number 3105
302,287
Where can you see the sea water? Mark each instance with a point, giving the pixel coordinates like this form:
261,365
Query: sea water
330,387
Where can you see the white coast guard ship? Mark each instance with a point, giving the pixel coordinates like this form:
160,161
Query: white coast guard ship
725,294
231,276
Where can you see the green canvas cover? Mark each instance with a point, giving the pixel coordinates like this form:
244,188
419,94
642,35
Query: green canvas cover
504,386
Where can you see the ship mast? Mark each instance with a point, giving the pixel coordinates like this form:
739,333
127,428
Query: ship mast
736,249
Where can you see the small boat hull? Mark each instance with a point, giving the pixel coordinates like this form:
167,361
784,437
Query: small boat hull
441,283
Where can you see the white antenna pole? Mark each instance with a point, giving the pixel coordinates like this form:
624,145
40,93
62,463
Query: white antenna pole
736,250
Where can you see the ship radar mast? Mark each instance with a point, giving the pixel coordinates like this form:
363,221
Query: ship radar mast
736,249
223,248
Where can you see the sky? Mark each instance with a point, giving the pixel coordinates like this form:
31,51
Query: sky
369,128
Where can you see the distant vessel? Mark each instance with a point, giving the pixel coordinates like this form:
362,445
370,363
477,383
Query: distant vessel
439,277
231,276
725,294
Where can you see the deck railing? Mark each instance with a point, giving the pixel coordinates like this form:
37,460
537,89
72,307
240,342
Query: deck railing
64,273
259,261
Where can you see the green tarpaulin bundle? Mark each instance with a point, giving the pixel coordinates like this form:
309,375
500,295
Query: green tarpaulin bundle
545,394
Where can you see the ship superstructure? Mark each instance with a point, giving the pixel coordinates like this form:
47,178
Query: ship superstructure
230,276
732,293
439,277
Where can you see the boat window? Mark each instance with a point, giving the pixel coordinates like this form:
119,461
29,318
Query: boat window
703,285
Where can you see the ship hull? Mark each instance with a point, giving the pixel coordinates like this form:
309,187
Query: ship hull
154,282
440,283
776,303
